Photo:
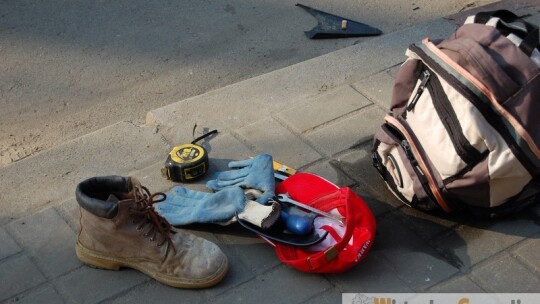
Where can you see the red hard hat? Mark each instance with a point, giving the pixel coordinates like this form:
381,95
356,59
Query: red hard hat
346,244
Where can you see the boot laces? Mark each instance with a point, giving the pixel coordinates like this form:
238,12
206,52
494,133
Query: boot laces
150,218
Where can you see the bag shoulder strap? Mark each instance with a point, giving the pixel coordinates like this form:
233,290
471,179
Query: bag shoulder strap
529,34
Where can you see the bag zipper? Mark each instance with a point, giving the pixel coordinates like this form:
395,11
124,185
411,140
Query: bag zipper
484,108
424,79
449,119
418,163
447,116
377,163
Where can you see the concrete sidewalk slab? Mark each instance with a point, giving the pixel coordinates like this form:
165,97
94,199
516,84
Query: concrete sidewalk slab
52,175
305,116
48,238
23,275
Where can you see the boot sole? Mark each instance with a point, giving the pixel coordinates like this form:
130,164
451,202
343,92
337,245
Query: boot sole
97,260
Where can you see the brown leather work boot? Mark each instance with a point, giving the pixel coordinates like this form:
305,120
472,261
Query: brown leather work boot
119,228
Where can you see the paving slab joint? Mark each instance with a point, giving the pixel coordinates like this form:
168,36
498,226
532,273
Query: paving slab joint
65,216
31,253
301,137
15,255
126,291
242,140
21,295
337,166
512,252
32,259
340,118
450,279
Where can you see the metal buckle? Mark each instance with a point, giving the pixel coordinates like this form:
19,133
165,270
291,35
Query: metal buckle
330,254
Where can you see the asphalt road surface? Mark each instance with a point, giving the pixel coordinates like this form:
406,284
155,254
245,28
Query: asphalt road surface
72,67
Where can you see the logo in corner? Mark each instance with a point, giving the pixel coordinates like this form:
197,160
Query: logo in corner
362,299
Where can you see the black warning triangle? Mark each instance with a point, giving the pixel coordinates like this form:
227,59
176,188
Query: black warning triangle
332,26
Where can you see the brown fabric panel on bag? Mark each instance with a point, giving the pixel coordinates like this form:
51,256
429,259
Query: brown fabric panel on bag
473,187
506,54
511,59
474,58
505,66
525,107
404,84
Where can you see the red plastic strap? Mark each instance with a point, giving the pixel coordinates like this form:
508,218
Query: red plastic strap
332,232
324,257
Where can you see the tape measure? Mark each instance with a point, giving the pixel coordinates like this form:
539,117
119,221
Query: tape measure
187,162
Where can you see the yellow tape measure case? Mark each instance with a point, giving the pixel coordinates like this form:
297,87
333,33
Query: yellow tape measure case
186,163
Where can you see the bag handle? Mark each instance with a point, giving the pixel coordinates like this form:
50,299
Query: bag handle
530,38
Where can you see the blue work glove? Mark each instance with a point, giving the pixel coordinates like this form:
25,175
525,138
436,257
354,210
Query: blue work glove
184,206
256,173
